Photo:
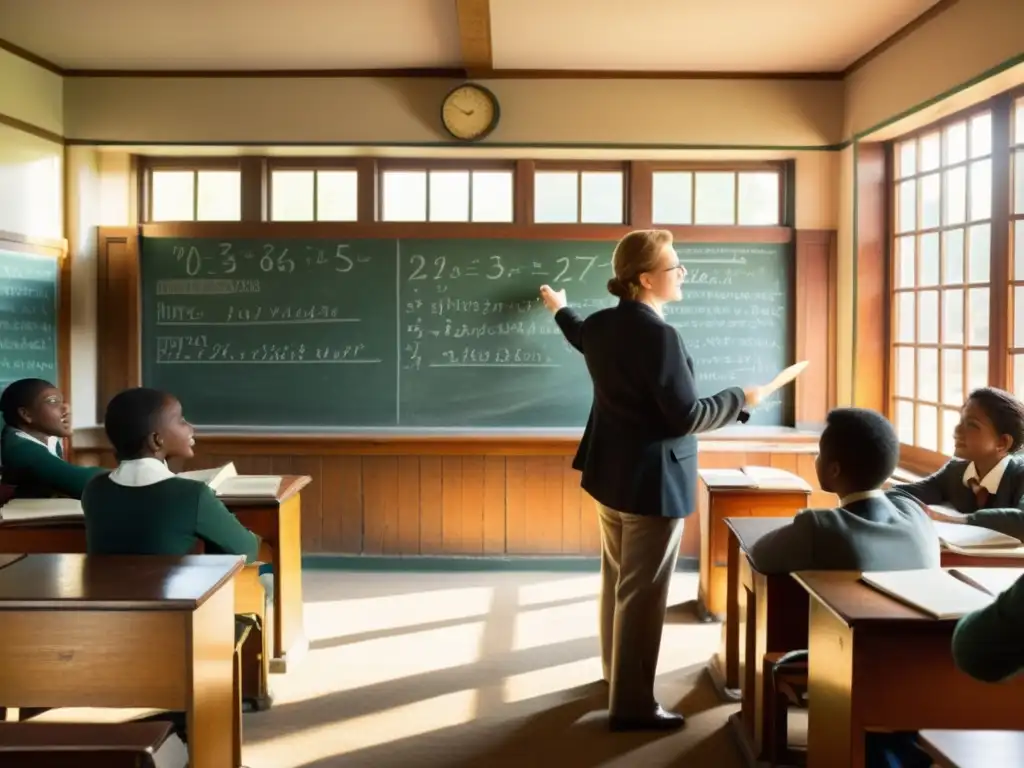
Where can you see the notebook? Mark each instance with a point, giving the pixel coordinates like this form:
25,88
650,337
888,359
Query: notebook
55,510
957,535
225,481
754,477
933,591
991,580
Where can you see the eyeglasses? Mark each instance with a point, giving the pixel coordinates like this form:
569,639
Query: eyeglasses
676,267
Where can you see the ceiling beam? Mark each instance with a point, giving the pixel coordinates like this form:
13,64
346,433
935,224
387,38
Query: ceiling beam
475,35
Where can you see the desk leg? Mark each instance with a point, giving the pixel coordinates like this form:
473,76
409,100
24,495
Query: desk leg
210,706
725,666
290,642
835,736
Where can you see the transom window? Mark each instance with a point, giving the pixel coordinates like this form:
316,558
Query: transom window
447,195
195,195
723,198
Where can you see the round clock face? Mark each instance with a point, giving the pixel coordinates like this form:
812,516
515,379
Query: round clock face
469,112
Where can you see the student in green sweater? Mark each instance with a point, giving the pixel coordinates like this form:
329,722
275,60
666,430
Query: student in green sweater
142,507
35,420
988,644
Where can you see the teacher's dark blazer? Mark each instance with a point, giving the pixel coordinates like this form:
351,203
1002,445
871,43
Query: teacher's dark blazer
639,449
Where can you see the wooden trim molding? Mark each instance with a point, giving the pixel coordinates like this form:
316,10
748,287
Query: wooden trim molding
29,128
31,58
118,326
871,271
814,320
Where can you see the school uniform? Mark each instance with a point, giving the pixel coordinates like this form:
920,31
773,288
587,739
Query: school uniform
35,469
638,459
143,508
867,532
995,501
988,644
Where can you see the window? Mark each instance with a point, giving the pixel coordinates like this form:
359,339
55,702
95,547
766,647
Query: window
575,197
314,195
941,264
447,195
1017,249
722,198
195,195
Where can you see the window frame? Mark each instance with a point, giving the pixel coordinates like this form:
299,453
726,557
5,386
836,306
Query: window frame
915,456
736,168
428,165
315,165
147,165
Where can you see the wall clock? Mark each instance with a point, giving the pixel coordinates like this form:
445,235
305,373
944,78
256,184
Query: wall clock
469,112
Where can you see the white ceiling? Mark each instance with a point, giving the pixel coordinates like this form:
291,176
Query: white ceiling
644,35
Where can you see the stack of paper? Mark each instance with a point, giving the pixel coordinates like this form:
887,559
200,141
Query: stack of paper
225,481
41,510
932,591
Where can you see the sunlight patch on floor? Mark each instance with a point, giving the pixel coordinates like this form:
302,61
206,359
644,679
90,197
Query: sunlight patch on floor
576,587
339,738
344,618
541,682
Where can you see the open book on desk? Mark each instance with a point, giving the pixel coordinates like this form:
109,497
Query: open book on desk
991,580
957,537
56,510
225,481
767,478
933,591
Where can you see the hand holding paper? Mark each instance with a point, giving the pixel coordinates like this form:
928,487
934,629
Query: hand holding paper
757,394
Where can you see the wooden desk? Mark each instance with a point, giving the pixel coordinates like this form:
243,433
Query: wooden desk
877,664
974,749
773,619
88,631
715,504
276,521
725,664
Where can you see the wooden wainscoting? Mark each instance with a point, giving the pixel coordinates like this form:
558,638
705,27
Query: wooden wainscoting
398,496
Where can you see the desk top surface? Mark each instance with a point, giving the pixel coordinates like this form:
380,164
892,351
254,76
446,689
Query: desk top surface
76,582
853,601
975,749
749,529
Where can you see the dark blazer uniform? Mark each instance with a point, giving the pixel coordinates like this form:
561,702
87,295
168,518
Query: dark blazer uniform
639,451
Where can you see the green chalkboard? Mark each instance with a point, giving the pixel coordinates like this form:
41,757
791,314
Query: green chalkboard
426,334
28,317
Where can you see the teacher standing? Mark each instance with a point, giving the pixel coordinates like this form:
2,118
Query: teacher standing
638,457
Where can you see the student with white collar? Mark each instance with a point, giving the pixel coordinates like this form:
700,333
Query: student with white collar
985,478
142,507
35,421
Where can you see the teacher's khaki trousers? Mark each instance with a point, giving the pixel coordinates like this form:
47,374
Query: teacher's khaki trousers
638,556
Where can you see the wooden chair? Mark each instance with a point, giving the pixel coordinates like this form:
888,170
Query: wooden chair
785,686
88,745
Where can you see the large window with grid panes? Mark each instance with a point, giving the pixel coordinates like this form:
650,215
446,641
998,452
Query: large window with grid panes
956,196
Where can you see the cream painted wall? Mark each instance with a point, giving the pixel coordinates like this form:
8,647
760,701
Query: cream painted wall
31,94
968,39
755,113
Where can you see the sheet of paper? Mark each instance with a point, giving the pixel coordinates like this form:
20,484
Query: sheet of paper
932,591
263,486
22,510
772,477
992,580
727,478
785,376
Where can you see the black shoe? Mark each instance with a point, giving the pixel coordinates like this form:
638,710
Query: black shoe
659,720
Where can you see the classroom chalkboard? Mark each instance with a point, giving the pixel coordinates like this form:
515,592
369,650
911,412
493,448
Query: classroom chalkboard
28,317
427,334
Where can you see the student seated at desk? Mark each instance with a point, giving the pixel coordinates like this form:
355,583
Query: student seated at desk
988,644
142,507
868,531
35,420
985,479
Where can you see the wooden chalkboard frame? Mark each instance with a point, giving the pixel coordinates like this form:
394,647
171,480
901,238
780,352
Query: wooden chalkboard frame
813,269
56,249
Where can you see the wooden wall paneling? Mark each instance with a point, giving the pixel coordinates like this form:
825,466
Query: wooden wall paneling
431,511
814,325
409,505
341,499
572,508
871,271
454,496
312,501
380,505
515,503
590,529
118,318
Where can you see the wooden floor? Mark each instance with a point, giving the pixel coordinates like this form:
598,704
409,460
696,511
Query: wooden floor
476,669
